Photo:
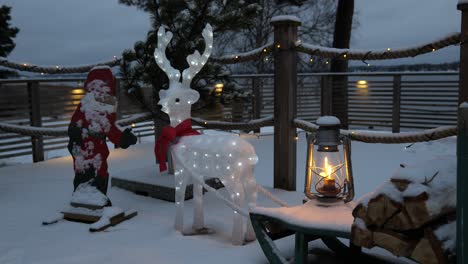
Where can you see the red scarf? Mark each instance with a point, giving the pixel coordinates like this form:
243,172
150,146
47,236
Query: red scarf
169,134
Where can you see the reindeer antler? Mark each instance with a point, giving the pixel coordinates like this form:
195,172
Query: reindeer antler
197,61
160,55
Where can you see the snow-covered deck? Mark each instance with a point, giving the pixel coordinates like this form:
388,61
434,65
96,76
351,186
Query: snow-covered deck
29,193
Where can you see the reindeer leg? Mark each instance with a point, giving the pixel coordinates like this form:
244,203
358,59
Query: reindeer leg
250,187
198,218
181,178
236,192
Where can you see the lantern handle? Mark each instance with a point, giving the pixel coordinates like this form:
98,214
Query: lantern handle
346,139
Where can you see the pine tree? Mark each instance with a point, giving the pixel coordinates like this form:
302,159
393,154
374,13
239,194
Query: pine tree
186,20
7,34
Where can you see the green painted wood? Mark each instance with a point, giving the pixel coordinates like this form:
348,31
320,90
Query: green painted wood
319,232
269,248
335,245
302,236
462,186
301,248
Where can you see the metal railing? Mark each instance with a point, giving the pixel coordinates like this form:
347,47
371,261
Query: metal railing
382,100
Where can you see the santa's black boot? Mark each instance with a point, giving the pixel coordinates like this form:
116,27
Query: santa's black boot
101,184
83,177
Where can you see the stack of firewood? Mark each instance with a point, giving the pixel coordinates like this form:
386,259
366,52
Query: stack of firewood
412,215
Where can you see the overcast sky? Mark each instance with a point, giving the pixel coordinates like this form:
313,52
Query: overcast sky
72,32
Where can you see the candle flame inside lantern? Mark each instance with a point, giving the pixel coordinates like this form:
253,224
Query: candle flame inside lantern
327,170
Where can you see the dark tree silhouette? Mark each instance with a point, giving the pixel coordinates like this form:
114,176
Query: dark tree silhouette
7,34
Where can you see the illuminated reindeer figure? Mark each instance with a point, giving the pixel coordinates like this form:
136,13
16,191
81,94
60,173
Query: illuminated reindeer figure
227,157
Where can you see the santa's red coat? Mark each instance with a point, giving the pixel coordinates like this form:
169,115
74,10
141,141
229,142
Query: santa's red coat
98,153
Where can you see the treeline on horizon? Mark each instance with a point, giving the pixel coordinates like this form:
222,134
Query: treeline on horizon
448,66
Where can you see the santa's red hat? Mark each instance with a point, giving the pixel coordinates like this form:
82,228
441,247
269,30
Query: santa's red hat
103,73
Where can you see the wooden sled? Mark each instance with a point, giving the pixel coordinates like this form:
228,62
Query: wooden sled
99,218
307,222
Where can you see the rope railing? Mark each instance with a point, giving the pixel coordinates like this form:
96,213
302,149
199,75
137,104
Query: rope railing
62,132
305,125
210,124
314,50
134,119
249,125
55,69
387,137
246,56
350,54
228,59
402,137
364,136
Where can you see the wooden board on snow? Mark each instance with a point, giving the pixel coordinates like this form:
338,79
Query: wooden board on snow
155,184
105,223
80,214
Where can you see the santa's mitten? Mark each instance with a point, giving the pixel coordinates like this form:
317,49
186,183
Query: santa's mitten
127,139
74,133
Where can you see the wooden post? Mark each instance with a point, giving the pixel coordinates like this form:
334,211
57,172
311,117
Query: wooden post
35,120
326,96
285,36
462,184
257,100
462,142
396,103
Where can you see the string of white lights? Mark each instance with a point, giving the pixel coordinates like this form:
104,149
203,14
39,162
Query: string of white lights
57,69
388,53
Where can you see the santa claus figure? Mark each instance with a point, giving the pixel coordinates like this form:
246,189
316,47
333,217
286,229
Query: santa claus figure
92,122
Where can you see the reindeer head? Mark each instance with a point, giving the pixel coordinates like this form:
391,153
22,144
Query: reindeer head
178,99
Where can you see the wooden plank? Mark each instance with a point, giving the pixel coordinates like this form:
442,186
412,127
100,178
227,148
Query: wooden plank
432,90
15,155
448,119
14,148
87,206
355,123
429,100
434,122
428,85
74,216
449,115
396,103
455,82
15,142
116,220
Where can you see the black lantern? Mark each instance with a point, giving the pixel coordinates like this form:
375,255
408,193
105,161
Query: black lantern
328,171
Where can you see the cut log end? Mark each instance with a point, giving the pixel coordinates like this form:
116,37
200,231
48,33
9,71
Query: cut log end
362,236
398,244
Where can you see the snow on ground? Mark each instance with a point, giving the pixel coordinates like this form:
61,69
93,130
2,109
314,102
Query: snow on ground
30,193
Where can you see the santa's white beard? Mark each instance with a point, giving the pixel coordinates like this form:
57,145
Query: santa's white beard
96,113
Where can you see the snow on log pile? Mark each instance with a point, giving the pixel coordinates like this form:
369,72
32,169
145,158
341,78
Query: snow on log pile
413,214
